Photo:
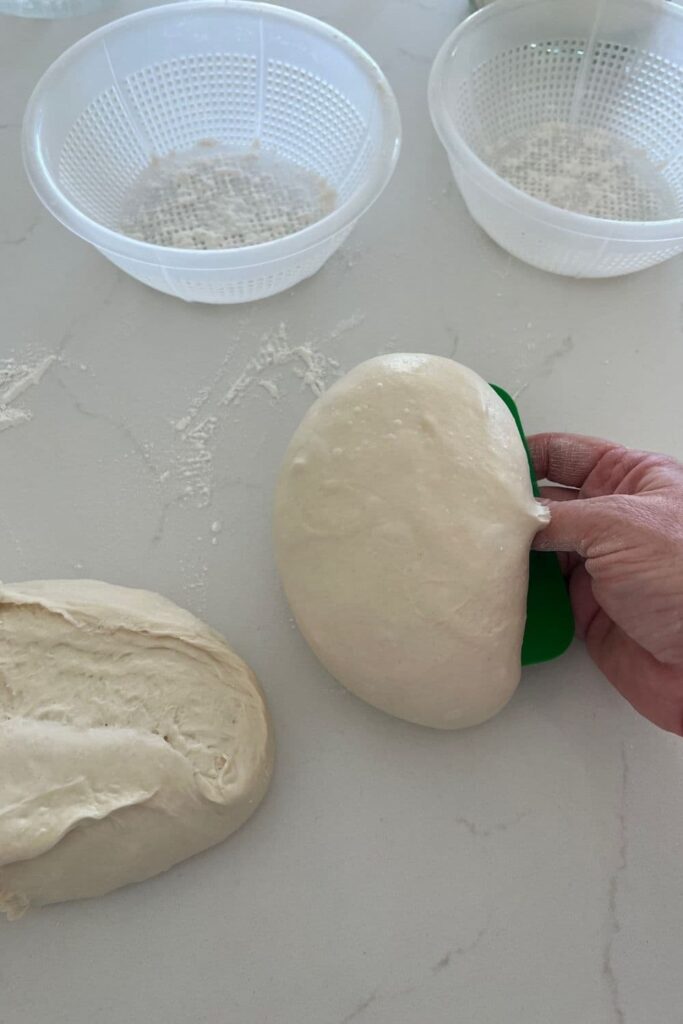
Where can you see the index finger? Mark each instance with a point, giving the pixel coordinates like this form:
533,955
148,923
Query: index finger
567,459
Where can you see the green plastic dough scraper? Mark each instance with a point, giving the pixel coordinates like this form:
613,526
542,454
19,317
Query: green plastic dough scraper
549,619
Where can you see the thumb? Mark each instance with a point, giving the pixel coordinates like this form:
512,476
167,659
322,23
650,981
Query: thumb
578,525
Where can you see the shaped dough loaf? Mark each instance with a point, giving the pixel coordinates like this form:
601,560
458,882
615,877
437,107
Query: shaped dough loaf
403,520
131,737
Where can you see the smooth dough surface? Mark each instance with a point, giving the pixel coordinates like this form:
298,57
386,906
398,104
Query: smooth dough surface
131,737
404,515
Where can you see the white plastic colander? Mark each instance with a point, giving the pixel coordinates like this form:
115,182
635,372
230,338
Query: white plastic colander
230,72
563,123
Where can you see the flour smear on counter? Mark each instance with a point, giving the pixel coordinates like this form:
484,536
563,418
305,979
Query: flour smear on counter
277,363
15,379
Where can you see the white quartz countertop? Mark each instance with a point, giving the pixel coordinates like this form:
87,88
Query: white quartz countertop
529,871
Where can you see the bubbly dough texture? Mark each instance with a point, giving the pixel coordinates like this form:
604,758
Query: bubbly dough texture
403,520
131,737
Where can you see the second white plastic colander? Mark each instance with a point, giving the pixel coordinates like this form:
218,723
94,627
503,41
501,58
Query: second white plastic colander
528,89
230,71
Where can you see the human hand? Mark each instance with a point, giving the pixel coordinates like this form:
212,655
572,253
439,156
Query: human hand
619,517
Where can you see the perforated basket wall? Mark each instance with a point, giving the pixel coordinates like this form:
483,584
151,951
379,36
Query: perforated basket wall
519,70
634,95
173,105
168,79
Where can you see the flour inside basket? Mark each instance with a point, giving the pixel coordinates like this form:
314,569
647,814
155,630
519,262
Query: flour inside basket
211,198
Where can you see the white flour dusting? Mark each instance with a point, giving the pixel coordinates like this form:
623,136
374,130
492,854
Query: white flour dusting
276,363
307,361
196,464
15,379
270,387
585,170
349,323
11,417
209,198
201,398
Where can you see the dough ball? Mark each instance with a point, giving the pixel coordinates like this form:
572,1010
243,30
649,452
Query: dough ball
403,519
131,737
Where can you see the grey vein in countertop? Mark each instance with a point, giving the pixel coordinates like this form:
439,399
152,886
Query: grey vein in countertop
613,923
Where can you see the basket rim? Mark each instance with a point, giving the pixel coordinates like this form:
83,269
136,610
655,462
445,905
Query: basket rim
669,229
69,214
